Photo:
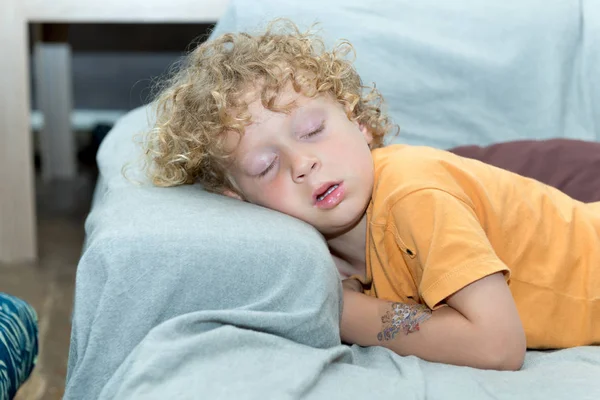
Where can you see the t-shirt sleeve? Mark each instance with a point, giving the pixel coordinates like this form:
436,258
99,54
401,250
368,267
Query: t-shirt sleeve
446,240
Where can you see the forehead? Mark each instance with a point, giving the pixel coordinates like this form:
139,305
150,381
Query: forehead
289,106
286,101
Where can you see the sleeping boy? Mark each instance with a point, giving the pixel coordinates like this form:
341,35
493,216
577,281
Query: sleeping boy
447,258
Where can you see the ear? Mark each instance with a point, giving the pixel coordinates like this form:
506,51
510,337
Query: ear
362,127
232,194
366,133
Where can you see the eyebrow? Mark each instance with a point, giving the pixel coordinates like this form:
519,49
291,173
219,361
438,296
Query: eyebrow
309,112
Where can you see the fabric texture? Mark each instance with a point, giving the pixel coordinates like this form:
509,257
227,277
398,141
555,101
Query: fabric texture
572,166
438,222
184,358
18,343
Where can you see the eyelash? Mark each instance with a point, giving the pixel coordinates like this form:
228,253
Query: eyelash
316,131
266,171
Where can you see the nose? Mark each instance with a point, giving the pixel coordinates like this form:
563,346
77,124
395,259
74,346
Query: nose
302,166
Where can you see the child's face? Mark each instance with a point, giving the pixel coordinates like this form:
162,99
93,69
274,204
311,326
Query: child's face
313,163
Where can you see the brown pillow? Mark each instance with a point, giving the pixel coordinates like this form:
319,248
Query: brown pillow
573,166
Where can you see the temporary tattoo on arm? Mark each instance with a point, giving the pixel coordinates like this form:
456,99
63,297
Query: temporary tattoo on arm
400,317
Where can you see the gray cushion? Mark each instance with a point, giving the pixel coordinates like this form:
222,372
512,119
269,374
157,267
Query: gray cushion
152,254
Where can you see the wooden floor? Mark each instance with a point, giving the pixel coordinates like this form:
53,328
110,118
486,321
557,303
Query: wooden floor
48,285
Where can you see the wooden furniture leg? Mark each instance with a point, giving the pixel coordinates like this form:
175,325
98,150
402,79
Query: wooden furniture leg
17,201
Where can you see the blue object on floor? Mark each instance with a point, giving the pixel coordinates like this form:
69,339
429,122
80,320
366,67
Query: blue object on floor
18,343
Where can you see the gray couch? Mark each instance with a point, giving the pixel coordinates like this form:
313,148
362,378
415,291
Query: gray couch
185,294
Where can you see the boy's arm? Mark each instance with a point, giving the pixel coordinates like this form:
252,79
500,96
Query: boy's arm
479,327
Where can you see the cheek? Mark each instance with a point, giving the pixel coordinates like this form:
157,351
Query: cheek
278,196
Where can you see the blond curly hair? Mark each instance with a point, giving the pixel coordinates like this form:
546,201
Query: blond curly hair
204,100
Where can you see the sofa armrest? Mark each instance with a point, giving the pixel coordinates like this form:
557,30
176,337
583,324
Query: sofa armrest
152,254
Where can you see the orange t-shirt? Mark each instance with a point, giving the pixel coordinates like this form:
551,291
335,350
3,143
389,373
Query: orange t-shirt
438,222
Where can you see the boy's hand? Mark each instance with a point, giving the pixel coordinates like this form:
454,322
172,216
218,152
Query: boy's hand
353,285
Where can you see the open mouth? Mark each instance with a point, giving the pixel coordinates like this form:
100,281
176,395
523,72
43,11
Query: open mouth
329,195
327,192
331,188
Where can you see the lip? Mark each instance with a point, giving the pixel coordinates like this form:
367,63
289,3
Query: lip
322,189
332,199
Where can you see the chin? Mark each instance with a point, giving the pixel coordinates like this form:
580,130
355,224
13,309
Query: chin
337,228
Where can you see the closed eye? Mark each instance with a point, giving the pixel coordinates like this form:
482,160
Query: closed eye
316,131
266,171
